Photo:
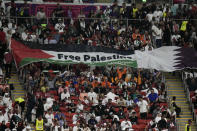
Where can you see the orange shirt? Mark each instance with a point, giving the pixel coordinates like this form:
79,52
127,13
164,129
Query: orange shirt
67,83
106,84
134,36
121,73
95,84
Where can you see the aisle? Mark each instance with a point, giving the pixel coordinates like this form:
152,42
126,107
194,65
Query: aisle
18,88
175,88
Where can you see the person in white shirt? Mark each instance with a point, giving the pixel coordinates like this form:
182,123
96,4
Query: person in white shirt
92,95
149,47
48,104
158,14
148,90
159,36
126,124
6,100
75,118
49,116
1,72
2,117
111,95
60,26
12,26
24,35
175,38
80,107
2,5
154,33
65,94
158,117
143,105
27,128
149,16
40,16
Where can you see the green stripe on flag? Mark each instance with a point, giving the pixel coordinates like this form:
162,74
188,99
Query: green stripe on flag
129,63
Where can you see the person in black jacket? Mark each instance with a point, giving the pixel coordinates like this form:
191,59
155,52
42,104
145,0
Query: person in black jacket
177,109
3,126
133,118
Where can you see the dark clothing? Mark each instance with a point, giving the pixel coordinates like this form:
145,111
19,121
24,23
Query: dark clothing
162,124
3,127
143,115
133,120
177,109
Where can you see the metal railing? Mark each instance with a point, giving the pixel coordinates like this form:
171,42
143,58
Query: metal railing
111,21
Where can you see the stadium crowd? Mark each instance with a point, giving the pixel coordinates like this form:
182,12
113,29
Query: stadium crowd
78,97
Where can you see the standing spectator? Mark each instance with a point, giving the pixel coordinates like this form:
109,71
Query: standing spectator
153,97
39,124
59,12
159,35
60,26
40,16
174,105
143,105
8,63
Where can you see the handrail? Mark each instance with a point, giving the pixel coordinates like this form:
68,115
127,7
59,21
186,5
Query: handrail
15,17
111,20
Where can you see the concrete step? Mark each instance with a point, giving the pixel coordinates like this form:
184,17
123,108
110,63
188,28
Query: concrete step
175,88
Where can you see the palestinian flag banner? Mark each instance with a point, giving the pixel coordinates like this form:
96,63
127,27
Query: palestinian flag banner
167,58
70,54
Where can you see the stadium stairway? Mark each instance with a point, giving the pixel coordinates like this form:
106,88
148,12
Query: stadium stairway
18,88
175,88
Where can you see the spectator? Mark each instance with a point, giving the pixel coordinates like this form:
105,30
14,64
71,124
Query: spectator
176,108
8,63
59,12
153,97
65,94
133,118
41,16
143,105
126,124
60,26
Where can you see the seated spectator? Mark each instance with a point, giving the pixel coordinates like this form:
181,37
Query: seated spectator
126,124
65,94
49,117
25,35
138,43
111,95
133,118
163,97
92,95
92,123
158,117
48,104
80,107
55,106
121,102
